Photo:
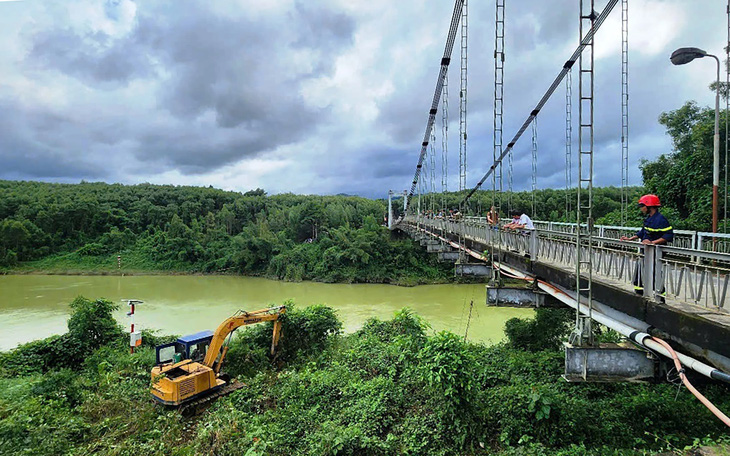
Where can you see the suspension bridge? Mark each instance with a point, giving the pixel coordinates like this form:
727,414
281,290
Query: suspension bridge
585,266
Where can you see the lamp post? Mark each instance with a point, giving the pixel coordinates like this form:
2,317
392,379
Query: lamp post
686,55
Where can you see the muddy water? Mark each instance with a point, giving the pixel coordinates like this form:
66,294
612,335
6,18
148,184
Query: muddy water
36,306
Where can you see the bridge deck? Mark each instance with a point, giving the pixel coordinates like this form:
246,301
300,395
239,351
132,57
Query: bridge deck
707,327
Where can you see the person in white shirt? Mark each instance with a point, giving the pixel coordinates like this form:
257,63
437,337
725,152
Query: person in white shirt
520,221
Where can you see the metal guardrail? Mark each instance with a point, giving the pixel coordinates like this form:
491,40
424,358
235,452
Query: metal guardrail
690,275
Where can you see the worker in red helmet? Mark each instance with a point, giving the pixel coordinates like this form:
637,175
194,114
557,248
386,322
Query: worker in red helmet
656,230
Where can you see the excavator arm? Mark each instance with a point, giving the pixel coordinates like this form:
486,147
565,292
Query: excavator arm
233,323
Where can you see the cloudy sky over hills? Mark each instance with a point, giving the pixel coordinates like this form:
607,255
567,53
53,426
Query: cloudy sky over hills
327,96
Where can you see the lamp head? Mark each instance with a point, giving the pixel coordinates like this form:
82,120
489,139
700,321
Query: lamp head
686,55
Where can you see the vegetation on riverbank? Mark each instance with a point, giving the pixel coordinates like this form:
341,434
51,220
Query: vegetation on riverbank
85,227
393,387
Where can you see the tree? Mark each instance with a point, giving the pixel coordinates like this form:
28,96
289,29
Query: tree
683,178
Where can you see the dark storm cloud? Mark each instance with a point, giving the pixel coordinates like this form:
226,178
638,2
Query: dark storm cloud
95,58
246,74
326,98
26,155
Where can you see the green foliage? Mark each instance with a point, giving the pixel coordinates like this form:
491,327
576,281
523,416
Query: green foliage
304,333
545,331
84,227
389,388
90,327
683,178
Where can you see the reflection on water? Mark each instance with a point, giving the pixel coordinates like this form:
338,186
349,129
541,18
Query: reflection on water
36,306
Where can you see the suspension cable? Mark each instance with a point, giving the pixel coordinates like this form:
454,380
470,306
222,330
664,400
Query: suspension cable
534,166
432,166
568,141
462,97
445,60
445,141
727,105
624,109
566,67
496,253
583,332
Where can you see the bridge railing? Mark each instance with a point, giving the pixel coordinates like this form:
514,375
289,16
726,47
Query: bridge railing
692,276
688,239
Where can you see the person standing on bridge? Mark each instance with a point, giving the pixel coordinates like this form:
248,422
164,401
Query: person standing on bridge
656,231
493,217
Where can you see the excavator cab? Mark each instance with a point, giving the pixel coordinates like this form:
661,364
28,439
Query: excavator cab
193,347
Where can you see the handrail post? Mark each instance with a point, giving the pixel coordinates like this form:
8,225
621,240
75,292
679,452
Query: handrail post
533,245
652,261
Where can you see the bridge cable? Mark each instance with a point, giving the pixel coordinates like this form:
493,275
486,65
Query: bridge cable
445,142
462,97
568,142
445,60
497,133
432,167
727,105
534,167
624,109
566,67
583,332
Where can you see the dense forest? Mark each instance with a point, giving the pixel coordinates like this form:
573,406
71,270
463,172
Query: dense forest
84,227
392,387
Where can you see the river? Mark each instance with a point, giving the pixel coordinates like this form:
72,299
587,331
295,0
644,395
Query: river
36,306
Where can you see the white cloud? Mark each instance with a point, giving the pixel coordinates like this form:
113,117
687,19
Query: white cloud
327,96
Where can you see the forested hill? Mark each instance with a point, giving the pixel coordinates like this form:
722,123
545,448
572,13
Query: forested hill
83,227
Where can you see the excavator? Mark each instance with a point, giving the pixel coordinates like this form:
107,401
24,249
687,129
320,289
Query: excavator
188,371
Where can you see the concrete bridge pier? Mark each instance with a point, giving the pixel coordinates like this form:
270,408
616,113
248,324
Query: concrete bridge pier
473,269
514,296
609,363
450,256
438,247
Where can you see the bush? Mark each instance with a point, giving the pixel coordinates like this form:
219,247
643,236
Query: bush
90,326
545,331
304,332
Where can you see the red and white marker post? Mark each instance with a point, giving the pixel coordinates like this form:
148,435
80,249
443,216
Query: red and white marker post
135,337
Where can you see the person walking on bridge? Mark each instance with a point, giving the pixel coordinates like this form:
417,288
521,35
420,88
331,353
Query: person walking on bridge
656,231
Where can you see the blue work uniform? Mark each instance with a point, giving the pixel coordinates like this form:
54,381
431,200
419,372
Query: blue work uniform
656,226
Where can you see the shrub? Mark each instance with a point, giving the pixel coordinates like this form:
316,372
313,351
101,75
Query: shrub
304,332
545,331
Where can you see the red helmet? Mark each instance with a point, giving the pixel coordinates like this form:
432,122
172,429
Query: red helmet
650,200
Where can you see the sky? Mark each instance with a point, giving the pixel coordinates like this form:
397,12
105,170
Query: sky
321,96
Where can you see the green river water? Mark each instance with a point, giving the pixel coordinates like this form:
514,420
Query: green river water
36,306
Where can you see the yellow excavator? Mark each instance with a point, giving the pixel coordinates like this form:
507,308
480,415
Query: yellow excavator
188,371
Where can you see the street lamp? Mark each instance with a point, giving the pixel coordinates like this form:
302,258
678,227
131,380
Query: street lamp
686,55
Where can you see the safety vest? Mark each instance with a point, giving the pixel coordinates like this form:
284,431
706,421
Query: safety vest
656,226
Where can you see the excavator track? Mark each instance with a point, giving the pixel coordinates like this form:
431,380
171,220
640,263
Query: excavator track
199,405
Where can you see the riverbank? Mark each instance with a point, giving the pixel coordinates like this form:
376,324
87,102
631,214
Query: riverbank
388,388
135,263
35,304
